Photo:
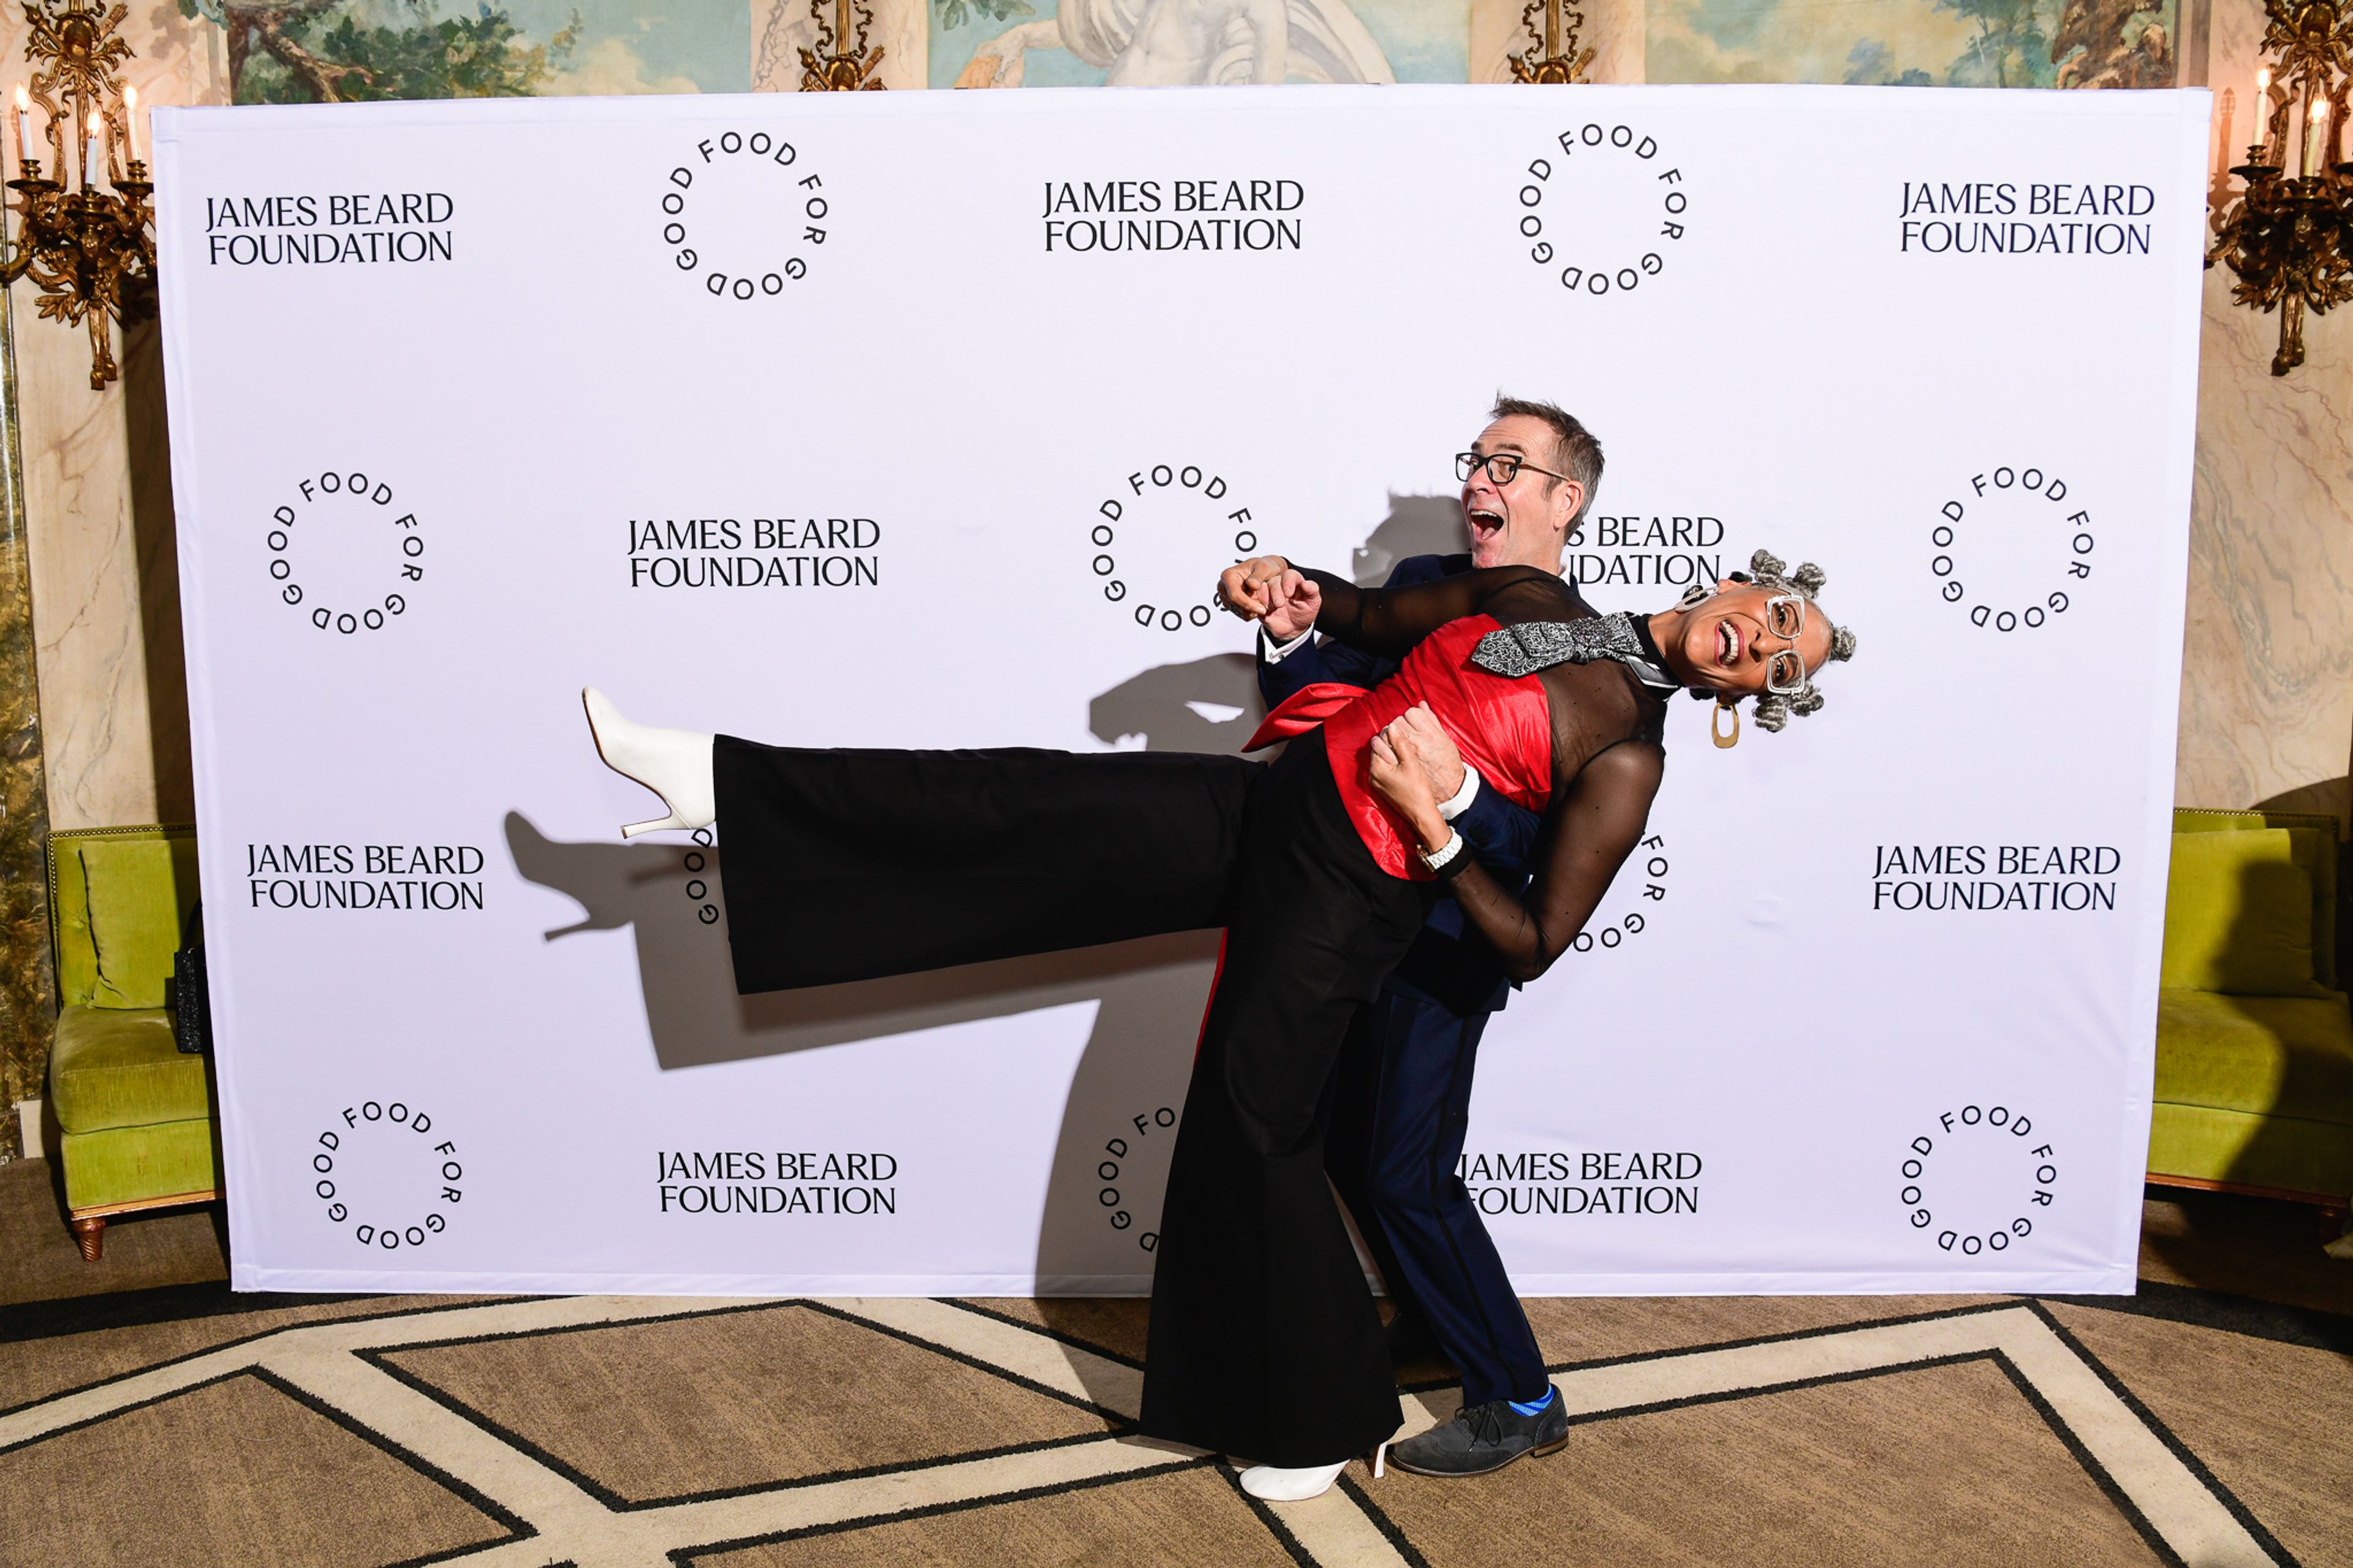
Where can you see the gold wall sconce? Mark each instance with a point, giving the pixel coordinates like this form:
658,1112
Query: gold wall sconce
835,64
91,251
1553,58
2289,236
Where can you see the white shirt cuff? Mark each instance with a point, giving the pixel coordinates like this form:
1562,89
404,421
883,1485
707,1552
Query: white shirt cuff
1463,796
1274,654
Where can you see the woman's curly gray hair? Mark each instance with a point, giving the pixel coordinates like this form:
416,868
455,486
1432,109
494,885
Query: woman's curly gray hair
1767,570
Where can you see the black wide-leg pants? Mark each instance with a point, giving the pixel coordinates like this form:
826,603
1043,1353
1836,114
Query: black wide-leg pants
851,865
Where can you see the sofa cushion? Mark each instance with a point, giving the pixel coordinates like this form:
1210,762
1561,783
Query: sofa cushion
2238,916
2316,839
117,1067
139,890
136,1164
2284,1152
2281,1055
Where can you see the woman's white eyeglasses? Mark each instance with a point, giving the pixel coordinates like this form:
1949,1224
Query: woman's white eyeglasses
1785,617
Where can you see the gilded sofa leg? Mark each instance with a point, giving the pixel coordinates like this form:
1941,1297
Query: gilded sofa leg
91,1234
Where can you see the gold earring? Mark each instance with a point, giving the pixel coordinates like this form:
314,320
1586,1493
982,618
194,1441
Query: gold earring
1715,730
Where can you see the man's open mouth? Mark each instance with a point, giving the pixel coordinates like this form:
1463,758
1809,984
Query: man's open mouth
1484,522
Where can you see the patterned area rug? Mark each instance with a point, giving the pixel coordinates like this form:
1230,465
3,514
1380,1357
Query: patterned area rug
149,1416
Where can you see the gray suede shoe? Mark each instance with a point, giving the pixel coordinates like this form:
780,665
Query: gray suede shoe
1485,1437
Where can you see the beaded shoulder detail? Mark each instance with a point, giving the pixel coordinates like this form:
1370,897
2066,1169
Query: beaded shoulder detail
1532,646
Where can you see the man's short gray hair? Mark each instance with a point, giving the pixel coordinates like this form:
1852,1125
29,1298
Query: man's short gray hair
1575,451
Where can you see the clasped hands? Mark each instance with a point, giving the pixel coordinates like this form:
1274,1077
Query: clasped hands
1414,763
1267,589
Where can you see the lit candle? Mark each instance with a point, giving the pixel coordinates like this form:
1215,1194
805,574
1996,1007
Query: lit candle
93,168
2313,130
131,123
24,124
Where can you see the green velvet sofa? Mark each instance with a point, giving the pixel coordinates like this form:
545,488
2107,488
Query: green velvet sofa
2255,1041
137,1119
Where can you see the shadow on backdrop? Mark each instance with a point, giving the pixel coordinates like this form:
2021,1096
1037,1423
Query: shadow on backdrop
1415,525
1093,1240
1127,1094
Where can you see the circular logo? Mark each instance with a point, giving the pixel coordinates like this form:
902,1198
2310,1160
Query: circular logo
386,1175
1610,219
1976,1183
1121,1158
1159,541
2013,550
744,215
345,556
1609,930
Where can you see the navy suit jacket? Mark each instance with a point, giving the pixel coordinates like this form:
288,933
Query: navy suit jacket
1448,964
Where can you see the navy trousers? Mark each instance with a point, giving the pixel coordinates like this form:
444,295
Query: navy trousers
1398,1105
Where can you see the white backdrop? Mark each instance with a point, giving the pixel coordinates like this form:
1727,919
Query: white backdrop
1942,342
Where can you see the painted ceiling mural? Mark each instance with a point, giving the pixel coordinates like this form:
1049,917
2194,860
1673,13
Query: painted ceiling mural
281,51
1915,43
311,51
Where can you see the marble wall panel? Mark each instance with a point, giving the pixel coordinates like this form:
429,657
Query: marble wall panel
2267,680
88,620
98,505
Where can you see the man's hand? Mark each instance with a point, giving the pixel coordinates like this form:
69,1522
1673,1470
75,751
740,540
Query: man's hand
1292,603
1398,777
1425,741
1241,587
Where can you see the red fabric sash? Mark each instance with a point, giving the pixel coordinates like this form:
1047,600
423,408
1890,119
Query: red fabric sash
1304,709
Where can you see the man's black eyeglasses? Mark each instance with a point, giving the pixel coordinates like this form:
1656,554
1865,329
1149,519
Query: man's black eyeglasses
1501,466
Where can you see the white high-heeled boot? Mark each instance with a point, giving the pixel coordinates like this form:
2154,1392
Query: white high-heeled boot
673,763
1271,1483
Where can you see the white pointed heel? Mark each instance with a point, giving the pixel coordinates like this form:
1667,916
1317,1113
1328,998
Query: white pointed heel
1380,1459
1270,1483
673,763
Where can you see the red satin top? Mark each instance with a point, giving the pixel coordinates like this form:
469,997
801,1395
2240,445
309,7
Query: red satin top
1501,724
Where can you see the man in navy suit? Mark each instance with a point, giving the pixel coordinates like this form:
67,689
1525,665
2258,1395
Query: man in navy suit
1400,1098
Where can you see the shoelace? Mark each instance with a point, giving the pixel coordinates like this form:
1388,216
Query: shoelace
1485,1421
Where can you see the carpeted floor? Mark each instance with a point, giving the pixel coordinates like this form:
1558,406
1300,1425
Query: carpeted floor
149,1417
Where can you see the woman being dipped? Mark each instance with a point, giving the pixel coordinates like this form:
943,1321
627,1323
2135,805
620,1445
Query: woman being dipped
849,865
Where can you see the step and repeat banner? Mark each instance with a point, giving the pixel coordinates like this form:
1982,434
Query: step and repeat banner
928,420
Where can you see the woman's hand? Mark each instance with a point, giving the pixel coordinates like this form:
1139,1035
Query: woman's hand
1400,775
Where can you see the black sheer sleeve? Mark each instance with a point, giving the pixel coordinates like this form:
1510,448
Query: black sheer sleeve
1389,621
1591,826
